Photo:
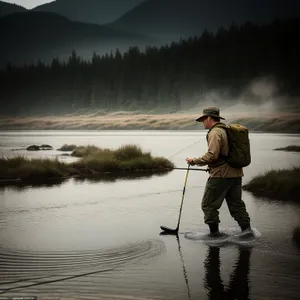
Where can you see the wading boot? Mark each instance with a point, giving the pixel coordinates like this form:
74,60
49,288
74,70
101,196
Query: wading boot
214,230
247,231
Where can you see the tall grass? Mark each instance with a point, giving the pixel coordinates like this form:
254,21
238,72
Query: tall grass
93,161
281,184
129,152
126,158
84,151
32,169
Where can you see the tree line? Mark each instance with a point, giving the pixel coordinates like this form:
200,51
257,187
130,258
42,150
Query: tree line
173,77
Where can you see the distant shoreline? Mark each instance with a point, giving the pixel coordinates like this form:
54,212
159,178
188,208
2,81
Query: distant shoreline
272,123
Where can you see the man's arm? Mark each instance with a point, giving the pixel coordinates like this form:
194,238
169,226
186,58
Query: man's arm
212,154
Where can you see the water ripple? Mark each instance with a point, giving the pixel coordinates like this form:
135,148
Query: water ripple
22,269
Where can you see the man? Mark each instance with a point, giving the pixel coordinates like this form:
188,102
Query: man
224,181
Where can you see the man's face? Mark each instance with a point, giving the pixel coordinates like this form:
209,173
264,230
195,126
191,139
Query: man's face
206,122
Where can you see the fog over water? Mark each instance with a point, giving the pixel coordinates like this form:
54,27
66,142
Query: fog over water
262,97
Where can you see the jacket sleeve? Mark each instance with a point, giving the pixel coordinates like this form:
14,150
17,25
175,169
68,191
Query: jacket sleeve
214,146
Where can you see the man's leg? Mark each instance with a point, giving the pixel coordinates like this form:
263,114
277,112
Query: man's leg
236,205
214,194
239,280
213,282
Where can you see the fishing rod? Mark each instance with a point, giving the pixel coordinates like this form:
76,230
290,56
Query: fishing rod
180,151
194,169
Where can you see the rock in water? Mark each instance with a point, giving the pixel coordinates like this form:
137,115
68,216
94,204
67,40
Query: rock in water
33,148
46,147
37,148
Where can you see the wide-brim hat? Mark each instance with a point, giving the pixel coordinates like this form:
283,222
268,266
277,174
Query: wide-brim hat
210,112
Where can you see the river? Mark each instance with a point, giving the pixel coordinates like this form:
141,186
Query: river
100,239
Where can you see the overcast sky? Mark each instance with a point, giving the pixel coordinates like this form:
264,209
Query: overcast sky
28,3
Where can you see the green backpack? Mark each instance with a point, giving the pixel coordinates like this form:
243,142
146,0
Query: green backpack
239,155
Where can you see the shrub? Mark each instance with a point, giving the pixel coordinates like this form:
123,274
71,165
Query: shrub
277,184
83,151
95,164
38,169
129,152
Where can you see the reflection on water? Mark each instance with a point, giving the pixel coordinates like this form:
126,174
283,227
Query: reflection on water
55,182
184,269
238,287
113,177
21,185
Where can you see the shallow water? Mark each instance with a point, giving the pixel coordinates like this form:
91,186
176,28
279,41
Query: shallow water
100,239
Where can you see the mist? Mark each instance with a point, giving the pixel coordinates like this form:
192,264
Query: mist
261,97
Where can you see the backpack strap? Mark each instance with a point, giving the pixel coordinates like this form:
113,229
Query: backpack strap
220,125
222,158
224,126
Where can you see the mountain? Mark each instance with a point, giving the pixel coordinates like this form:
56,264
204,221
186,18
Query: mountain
172,19
8,8
90,11
27,37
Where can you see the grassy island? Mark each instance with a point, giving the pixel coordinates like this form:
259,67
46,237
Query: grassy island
281,184
296,235
93,161
291,148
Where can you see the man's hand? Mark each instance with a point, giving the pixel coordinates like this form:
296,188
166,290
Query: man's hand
190,161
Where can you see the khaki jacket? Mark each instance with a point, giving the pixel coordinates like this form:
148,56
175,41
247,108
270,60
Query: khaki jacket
218,144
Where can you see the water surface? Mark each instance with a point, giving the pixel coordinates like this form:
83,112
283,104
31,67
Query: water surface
100,239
